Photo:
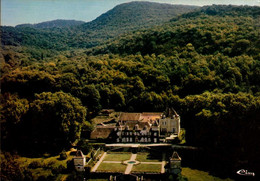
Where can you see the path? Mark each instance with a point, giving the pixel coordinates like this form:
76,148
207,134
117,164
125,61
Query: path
130,166
154,163
98,163
112,162
163,163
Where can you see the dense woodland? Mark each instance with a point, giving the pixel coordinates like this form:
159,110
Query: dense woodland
205,64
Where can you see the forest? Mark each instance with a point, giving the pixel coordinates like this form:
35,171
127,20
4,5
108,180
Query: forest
205,64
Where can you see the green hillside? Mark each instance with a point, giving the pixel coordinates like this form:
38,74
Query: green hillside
135,15
121,19
210,30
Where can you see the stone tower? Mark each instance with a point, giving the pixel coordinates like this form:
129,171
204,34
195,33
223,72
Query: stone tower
175,163
170,122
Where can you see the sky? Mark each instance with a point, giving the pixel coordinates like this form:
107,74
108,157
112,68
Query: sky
14,12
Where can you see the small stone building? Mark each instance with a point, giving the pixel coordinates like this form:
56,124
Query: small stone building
174,164
79,161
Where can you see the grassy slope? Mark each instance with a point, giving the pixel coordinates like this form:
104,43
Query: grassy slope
25,161
197,175
49,163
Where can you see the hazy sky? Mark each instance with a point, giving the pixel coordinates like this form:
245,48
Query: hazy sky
15,12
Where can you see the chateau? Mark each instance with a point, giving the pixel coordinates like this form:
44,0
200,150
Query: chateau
146,127
143,136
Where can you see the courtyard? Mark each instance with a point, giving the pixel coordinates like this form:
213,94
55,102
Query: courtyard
129,163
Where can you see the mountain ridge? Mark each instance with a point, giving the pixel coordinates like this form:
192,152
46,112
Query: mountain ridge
58,23
121,19
149,12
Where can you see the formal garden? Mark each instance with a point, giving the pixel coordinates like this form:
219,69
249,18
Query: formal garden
127,162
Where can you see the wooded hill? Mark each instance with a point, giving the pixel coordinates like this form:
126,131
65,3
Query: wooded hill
231,30
205,64
64,35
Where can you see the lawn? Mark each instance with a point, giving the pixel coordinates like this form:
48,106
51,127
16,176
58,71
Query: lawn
198,175
147,157
43,166
50,161
111,167
122,156
151,168
117,156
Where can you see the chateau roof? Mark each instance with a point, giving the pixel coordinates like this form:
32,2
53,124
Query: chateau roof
144,117
101,132
147,116
155,123
171,112
129,116
79,154
175,156
141,125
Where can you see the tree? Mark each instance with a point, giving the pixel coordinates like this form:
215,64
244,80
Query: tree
10,169
90,97
12,112
13,108
84,146
28,82
58,114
